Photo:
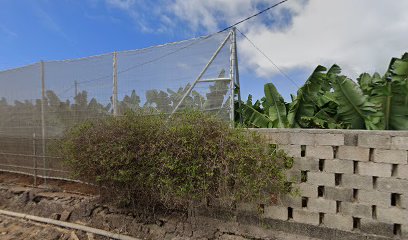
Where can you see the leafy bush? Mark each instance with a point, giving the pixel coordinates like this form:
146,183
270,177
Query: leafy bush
152,161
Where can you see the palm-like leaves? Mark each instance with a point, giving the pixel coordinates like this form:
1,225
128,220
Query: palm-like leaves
391,94
328,100
354,108
275,106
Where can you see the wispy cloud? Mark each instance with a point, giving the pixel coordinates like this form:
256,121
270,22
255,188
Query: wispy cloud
146,15
50,23
7,32
122,4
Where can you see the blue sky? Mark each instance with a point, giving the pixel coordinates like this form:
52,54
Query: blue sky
51,30
297,35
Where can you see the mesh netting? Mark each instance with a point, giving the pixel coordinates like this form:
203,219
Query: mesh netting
161,79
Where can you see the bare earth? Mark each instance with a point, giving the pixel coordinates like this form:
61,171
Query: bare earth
76,203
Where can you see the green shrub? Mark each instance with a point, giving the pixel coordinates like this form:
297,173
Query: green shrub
151,160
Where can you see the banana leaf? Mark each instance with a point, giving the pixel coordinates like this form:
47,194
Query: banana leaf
275,105
392,95
354,108
253,118
304,105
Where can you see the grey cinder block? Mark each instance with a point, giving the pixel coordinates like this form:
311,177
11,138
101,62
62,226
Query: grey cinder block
370,140
320,152
392,215
374,169
302,138
353,153
305,163
329,139
356,181
278,138
338,221
339,194
321,205
307,190
399,142
291,150
390,156
304,216
373,197
356,210
392,185
402,171
320,178
339,166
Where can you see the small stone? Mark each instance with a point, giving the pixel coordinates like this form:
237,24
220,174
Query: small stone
65,215
56,216
74,236
90,236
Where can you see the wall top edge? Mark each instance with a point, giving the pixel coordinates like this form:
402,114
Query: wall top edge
330,131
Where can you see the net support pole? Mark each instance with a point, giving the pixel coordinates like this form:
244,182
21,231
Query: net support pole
201,74
232,76
43,132
35,159
115,84
235,80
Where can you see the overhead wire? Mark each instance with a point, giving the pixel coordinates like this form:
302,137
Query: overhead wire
272,62
252,16
194,42
268,58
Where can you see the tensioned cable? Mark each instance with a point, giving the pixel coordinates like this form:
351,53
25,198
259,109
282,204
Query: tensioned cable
259,13
268,58
195,42
188,45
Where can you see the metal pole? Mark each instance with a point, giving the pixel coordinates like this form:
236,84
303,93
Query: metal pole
35,160
202,73
115,85
76,88
236,71
43,119
232,75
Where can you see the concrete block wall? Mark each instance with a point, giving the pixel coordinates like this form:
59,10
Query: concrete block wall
349,180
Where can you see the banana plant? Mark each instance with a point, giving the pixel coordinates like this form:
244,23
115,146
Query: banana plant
272,115
391,94
354,108
330,100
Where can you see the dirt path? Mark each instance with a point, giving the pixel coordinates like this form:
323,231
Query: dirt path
78,203
17,229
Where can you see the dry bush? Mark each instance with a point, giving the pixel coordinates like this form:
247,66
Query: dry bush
153,161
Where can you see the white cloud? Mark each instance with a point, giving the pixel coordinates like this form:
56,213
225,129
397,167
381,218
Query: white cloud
134,9
359,35
121,4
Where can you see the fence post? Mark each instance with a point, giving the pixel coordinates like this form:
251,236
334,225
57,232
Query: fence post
115,85
236,71
43,120
35,160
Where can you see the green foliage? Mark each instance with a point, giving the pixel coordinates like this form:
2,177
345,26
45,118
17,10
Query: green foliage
330,100
150,160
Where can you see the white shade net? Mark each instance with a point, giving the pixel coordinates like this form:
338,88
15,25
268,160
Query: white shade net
39,102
